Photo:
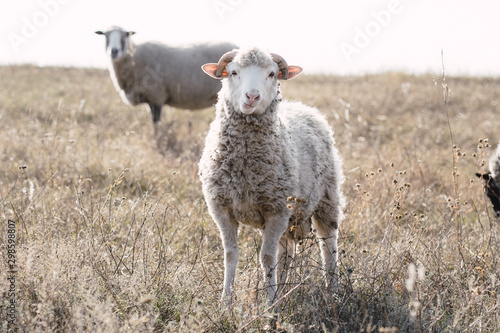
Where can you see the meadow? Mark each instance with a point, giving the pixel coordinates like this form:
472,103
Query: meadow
112,233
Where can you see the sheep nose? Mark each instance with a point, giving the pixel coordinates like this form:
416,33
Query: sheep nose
252,97
114,53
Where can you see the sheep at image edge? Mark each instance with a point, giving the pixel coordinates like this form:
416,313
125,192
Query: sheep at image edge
158,74
492,181
259,151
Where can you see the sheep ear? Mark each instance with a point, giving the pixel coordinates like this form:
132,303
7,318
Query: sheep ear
211,69
100,32
293,71
485,176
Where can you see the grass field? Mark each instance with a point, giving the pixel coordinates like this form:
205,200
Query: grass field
113,234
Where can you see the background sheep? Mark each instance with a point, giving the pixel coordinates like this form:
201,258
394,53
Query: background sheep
260,151
492,181
158,74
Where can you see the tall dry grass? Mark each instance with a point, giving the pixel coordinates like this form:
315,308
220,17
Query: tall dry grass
113,234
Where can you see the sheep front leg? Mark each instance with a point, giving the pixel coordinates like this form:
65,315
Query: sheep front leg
155,112
274,228
228,228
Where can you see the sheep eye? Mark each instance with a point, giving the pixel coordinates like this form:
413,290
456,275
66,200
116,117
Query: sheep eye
271,74
234,73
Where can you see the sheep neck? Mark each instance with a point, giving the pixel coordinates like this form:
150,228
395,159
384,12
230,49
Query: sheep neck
262,123
124,72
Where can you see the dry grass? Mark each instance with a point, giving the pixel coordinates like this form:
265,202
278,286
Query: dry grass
113,234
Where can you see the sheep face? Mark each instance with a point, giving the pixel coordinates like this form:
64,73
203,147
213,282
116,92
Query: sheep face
253,87
117,42
251,77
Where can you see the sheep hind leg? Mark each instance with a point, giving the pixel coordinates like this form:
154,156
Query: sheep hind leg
327,234
286,252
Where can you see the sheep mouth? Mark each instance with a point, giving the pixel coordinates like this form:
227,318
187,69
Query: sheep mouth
247,108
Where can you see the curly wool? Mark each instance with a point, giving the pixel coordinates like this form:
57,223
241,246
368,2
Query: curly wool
252,163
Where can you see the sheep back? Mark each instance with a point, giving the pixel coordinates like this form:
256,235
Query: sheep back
159,74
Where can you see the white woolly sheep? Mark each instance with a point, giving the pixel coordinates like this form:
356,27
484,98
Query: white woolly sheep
158,74
492,180
259,151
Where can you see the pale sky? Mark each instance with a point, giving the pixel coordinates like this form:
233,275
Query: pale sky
322,36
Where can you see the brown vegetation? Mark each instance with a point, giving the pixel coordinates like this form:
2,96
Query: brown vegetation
113,234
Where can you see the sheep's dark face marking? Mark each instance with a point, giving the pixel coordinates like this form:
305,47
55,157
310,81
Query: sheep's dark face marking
492,190
117,42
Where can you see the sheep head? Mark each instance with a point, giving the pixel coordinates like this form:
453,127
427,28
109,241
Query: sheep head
492,190
117,42
251,77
